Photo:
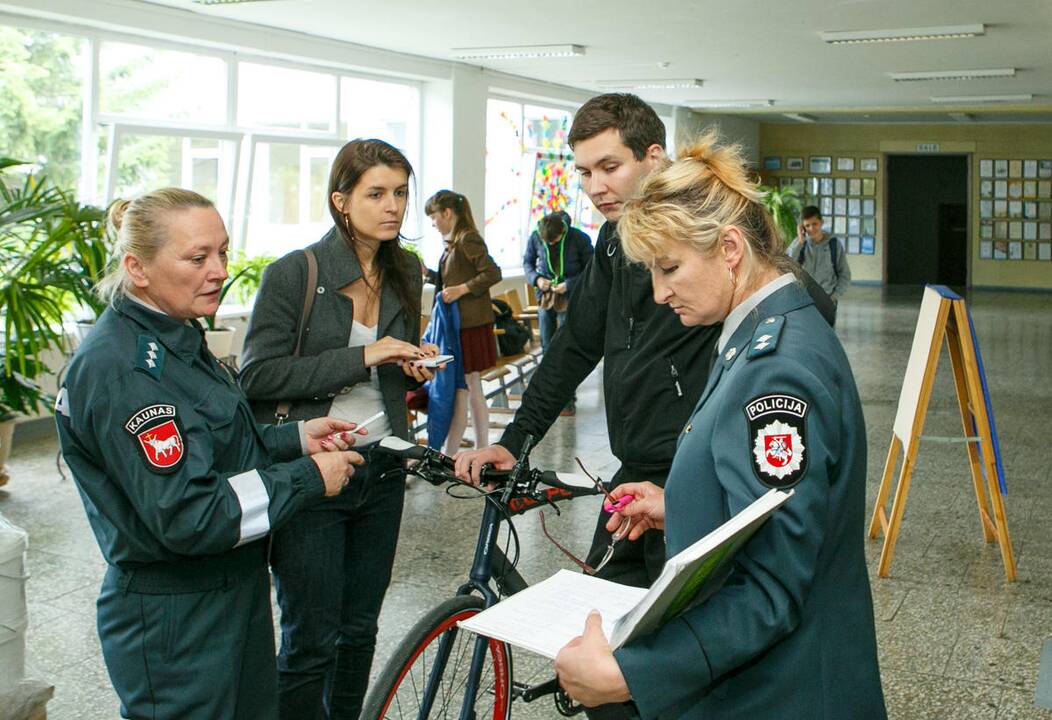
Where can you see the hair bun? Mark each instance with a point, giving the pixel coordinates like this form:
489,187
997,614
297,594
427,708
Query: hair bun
115,216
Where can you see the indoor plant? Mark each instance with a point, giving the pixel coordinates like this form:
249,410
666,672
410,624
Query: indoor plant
246,273
785,205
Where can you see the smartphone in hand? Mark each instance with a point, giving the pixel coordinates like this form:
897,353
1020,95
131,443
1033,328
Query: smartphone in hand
432,362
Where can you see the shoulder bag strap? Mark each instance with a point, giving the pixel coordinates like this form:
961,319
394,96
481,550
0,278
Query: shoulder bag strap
282,411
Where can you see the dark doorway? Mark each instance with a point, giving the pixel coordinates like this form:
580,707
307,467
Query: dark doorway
927,232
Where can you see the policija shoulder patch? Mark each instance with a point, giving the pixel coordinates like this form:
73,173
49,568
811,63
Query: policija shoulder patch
777,429
156,427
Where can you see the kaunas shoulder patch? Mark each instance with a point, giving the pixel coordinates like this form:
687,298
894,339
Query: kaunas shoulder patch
156,427
777,425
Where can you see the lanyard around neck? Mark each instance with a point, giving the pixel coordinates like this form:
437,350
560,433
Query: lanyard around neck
556,276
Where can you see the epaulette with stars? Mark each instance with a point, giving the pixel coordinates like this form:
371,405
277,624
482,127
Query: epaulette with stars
150,356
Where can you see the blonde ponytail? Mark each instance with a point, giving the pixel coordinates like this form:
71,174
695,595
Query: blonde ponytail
139,228
693,200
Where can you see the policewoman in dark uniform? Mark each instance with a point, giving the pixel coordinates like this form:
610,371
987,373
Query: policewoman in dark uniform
180,485
790,634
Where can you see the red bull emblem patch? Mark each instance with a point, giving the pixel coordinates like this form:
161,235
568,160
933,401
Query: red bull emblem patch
776,426
156,428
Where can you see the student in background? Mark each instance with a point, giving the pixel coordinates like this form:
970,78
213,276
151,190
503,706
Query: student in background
556,255
333,563
820,254
466,273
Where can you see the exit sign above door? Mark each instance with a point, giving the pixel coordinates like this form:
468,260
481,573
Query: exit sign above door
927,147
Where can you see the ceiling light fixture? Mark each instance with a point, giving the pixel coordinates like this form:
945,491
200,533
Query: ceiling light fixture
225,2
652,84
722,104
968,99
952,74
517,52
945,32
800,117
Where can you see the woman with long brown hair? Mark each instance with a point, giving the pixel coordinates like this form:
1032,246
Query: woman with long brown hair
465,275
332,566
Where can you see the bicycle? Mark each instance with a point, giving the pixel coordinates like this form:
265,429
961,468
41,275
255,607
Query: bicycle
438,671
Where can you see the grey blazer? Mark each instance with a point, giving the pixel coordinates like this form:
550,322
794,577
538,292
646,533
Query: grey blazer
326,366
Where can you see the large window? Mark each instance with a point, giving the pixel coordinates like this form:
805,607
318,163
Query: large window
254,136
41,100
529,173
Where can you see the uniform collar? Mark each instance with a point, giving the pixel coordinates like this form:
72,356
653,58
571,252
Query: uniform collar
182,338
738,314
786,296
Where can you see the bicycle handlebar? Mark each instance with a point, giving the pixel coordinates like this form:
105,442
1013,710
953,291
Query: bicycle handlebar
437,469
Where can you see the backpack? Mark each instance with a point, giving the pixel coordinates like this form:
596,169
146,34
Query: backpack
834,248
515,335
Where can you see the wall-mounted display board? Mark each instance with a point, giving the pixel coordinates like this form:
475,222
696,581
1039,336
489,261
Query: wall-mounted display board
1015,209
848,204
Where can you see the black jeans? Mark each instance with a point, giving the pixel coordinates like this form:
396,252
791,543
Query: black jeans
332,565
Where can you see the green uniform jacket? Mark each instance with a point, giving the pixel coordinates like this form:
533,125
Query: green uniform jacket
790,634
163,447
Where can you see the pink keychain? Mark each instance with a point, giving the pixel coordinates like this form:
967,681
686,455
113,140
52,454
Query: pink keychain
619,504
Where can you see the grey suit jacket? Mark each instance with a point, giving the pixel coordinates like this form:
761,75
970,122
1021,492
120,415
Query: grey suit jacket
327,366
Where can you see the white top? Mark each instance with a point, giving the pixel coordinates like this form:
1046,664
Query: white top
738,314
363,400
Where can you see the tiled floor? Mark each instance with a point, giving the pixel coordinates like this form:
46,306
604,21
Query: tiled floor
956,640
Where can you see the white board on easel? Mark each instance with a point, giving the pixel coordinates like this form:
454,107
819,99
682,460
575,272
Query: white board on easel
943,315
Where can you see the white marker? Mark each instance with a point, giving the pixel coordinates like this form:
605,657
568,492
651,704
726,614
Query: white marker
371,420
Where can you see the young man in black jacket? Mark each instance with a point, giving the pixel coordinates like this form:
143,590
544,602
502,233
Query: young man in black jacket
655,368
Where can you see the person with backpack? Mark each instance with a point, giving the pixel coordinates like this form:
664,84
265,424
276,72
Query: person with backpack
465,275
556,255
820,254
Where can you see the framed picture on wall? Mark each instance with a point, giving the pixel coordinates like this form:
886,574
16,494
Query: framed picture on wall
845,164
867,244
826,206
813,187
1000,208
1044,231
854,207
1030,168
1044,189
841,186
867,164
869,186
1030,231
1030,210
986,209
869,226
1044,168
840,206
1044,251
826,186
852,245
1015,251
784,182
820,164
986,250
794,163
854,186
869,207
1030,251
1000,249
772,162
1015,230
1030,188
986,168
1000,230
1000,188
986,231
854,226
986,188
798,185
1000,171
1015,208
1015,168
1044,211
840,225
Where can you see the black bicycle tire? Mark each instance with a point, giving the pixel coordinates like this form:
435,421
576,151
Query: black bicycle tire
424,633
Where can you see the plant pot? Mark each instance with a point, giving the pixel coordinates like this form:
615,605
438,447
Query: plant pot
7,431
80,332
221,341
